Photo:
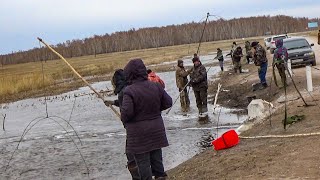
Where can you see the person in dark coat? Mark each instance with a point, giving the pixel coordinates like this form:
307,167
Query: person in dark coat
141,108
119,83
199,83
220,58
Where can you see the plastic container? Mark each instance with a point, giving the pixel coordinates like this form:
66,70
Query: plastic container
227,140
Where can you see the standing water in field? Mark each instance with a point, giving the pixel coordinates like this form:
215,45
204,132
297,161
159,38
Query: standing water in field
47,151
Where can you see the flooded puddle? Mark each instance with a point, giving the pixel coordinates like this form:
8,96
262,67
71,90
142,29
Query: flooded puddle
47,149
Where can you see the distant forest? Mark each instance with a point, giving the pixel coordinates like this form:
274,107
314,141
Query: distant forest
154,37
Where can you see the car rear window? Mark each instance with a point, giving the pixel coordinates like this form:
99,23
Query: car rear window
279,37
296,44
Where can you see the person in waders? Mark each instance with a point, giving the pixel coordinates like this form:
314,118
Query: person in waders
237,55
182,81
220,58
280,57
141,108
119,83
199,83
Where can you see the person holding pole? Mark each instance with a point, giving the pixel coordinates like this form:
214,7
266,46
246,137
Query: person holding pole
141,108
280,57
182,81
220,58
119,83
199,83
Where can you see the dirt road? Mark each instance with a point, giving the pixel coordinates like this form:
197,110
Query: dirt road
268,158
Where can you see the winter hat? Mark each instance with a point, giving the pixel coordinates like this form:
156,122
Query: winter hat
195,59
179,62
254,43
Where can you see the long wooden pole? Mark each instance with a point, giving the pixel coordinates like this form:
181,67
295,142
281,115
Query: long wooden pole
86,82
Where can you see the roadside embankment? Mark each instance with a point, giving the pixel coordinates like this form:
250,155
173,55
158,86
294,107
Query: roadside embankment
281,157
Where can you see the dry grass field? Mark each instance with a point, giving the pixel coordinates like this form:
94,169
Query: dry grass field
27,80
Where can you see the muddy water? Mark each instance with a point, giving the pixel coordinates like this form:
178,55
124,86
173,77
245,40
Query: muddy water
48,152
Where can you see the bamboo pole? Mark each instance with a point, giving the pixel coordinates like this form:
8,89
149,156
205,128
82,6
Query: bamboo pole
216,97
86,82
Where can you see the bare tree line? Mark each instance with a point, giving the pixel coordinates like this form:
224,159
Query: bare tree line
171,35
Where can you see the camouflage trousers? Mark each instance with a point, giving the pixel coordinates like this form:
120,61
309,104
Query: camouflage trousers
201,100
184,99
282,73
236,66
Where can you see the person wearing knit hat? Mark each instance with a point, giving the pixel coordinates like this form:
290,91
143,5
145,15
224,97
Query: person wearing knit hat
260,59
182,81
254,44
199,83
220,58
237,55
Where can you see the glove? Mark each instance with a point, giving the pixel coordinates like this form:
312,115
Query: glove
108,102
189,71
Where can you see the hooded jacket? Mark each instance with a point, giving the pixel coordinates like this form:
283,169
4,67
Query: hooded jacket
181,76
280,53
119,82
198,77
142,104
155,78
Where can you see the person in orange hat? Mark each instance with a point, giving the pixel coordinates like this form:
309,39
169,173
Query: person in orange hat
155,78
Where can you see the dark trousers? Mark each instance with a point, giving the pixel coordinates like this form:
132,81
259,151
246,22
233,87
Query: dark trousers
201,100
282,73
262,73
132,167
150,163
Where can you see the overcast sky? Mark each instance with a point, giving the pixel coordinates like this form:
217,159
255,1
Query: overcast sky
59,20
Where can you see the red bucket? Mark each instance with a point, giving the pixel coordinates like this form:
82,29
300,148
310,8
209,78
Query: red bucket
227,140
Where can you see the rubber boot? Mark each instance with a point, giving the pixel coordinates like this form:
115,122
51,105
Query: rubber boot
134,171
221,68
240,70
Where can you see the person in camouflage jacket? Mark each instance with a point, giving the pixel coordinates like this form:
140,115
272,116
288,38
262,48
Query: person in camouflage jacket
237,55
260,59
199,83
220,58
247,46
182,81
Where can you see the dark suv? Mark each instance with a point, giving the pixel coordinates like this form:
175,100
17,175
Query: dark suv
300,51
